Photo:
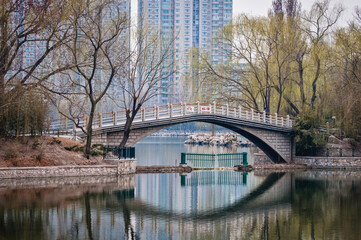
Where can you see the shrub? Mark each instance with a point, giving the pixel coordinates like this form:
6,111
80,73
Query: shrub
307,134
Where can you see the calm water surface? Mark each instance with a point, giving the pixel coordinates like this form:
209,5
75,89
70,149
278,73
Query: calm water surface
198,205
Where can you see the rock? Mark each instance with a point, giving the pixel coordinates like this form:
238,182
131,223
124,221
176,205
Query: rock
334,140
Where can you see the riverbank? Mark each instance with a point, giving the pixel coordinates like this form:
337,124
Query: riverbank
45,151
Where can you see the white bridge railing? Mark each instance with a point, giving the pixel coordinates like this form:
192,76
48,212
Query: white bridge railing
172,111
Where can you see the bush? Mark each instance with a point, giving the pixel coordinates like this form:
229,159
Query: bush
307,134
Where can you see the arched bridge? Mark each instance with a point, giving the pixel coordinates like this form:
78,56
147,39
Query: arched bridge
270,132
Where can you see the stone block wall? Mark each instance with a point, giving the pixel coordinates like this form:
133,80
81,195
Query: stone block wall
282,142
126,166
330,162
261,159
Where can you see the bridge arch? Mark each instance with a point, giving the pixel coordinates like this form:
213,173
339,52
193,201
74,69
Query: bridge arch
274,142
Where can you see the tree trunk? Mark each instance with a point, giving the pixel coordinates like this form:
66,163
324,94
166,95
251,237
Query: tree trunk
314,83
89,131
300,84
130,115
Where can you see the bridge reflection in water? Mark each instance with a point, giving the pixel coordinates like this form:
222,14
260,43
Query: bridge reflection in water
310,205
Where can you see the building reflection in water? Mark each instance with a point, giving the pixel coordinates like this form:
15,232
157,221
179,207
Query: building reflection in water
199,205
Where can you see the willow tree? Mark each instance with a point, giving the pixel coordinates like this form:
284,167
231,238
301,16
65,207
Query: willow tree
98,51
317,26
345,97
31,32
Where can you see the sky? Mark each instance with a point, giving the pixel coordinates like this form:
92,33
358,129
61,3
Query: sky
260,7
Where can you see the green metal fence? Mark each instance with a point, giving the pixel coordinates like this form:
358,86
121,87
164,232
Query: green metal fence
197,160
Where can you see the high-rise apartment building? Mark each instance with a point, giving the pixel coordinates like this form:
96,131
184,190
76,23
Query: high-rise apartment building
195,25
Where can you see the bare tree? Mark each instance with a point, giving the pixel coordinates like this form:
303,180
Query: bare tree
28,24
98,51
151,61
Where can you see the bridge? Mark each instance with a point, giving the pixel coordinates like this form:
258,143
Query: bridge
270,132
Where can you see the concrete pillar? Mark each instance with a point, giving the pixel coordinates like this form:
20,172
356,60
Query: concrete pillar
185,109
181,109
282,121
240,111
252,114
214,107
157,110
198,108
227,107
171,110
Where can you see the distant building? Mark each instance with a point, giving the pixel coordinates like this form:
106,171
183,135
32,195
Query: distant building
195,24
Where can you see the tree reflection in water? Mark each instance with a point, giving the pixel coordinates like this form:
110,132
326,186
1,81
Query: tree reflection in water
310,205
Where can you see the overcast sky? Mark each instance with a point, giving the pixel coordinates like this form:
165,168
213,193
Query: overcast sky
260,7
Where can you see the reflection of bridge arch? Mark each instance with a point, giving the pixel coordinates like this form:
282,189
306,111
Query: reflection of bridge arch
275,141
244,205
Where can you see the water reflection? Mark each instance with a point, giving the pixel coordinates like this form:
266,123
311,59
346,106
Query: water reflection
199,205
167,150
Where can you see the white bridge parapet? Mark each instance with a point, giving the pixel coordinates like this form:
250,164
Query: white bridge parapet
170,111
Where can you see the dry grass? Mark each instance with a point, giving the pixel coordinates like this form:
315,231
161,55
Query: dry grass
41,151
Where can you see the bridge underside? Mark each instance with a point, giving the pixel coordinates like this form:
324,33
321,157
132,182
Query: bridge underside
275,143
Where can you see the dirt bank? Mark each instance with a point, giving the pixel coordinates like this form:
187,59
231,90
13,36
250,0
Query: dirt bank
42,151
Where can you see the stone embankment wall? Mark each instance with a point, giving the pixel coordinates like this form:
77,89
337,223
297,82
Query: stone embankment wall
126,166
316,162
87,183
330,162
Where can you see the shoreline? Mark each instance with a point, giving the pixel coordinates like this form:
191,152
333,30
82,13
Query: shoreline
128,167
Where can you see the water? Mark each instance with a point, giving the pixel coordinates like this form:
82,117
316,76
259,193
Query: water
197,205
168,150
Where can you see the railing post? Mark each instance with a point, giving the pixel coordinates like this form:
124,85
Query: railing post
276,119
181,109
215,107
100,120
246,114
171,110
288,120
155,112
157,109
85,121
66,124
252,114
142,114
264,116
114,118
240,111
282,121
185,109
227,109
198,108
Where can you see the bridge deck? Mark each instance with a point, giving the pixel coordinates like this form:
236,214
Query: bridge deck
159,114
